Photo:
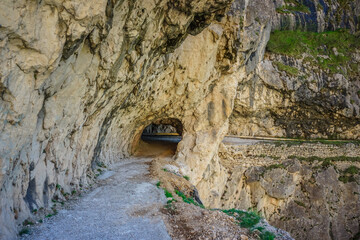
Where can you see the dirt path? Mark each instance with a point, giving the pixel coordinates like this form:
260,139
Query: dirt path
125,206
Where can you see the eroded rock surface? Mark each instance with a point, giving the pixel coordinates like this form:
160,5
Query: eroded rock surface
308,94
80,81
309,190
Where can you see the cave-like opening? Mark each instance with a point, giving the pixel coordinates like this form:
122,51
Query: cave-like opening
160,137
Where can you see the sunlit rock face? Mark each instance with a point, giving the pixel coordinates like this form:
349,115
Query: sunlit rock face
313,94
81,80
317,15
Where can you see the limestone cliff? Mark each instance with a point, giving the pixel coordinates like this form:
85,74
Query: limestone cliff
308,84
80,80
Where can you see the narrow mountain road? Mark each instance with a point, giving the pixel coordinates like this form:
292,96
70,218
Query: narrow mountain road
124,206
176,139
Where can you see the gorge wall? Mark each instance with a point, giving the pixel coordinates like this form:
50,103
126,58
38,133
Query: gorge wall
308,83
80,80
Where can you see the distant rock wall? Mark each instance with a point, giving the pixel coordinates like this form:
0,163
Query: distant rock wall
317,15
312,103
297,96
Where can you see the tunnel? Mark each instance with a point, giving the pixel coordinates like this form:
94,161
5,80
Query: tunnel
160,137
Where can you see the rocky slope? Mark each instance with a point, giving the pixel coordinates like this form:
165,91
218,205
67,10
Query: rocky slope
308,84
81,79
310,190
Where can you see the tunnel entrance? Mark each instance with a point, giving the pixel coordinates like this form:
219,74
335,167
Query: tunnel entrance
161,137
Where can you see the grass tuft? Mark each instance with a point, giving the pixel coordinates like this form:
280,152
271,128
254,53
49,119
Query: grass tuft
24,231
188,200
245,219
267,235
288,69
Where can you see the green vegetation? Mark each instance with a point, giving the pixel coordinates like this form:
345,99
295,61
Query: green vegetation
249,219
267,236
189,200
167,193
52,214
293,6
348,174
24,231
300,203
320,46
264,156
285,68
158,184
187,178
327,159
273,166
246,219
352,170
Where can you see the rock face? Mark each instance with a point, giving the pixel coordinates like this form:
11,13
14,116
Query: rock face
310,103
80,80
311,93
317,15
313,194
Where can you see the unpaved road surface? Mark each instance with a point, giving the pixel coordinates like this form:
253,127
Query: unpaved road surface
125,206
240,141
177,139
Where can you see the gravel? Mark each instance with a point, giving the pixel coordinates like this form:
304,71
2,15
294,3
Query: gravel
107,212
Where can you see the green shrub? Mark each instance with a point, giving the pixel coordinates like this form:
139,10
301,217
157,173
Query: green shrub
24,231
246,219
189,200
267,236
167,193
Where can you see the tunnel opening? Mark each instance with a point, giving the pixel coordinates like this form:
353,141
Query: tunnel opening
160,137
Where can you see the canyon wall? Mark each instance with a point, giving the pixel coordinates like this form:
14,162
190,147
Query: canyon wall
80,80
308,84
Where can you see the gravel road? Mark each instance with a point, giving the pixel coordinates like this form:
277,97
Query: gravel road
125,206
